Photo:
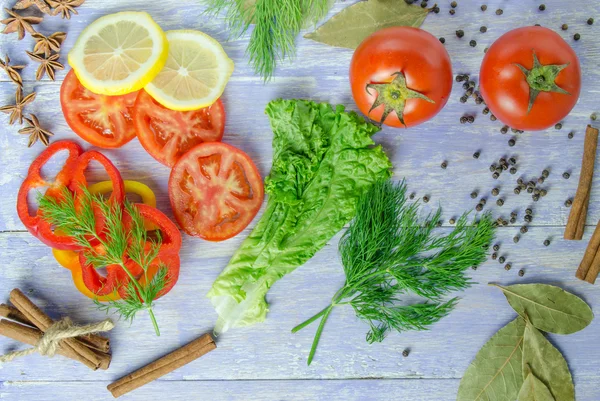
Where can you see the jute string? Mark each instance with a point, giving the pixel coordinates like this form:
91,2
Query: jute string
50,341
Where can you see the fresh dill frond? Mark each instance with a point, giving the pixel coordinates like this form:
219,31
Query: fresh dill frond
276,25
76,217
389,251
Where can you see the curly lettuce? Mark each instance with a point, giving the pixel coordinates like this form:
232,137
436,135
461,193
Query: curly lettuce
323,161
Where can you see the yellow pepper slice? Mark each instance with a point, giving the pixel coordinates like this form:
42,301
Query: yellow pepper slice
70,259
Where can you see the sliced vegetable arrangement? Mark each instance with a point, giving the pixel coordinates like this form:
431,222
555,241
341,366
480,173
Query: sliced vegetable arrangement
323,161
136,243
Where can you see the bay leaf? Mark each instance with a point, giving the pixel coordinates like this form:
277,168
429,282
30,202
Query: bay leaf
534,390
355,23
496,374
549,308
547,364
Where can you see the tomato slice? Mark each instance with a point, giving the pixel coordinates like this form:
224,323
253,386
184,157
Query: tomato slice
215,191
168,134
33,221
103,121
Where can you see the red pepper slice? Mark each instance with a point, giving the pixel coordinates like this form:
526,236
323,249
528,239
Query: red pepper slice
117,279
33,221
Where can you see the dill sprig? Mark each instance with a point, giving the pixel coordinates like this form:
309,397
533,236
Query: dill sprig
78,220
389,251
277,23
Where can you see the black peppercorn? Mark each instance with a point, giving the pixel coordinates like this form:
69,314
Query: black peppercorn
485,50
546,242
568,203
593,117
543,193
486,111
473,195
500,202
519,181
570,135
521,273
494,256
460,78
590,21
496,247
531,184
423,4
564,27
504,129
493,117
460,33
483,7
541,180
469,91
507,267
523,187
502,161
464,98
412,195
452,221
513,170
577,36
537,191
444,165
499,11
512,161
483,29
514,130
513,214
495,191
558,126
452,11
439,223
405,352
535,198
465,86
478,100
492,168
529,190
528,218
471,84
495,176
426,198
512,142
479,207
501,168
474,267
523,229
513,220
566,175
476,155
528,212
483,201
442,40
517,190
436,9
516,239
542,7
501,259
463,120
472,43
545,173
453,4
471,119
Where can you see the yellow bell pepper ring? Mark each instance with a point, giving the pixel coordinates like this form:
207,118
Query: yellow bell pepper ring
70,259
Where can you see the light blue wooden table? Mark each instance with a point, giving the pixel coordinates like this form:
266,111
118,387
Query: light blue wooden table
267,362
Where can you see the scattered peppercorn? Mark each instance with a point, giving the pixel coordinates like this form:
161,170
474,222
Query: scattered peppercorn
507,267
568,203
474,267
483,29
529,190
535,197
521,273
564,27
436,9
444,165
513,170
469,91
542,7
405,353
495,191
483,201
493,117
501,259
546,242
513,214
423,4
464,98
528,218
593,116
426,198
545,173
486,111
412,195
513,220
528,212
442,40
590,21
570,135
523,229
479,207
500,202
496,247
492,168
512,142
516,239
472,43
517,190
494,256
460,78
452,221
476,155
478,100
577,36
473,195
470,119
453,4
543,193
504,129
485,50
483,7
541,180
519,181
566,175
460,33
463,120
452,11
496,175
499,11
558,126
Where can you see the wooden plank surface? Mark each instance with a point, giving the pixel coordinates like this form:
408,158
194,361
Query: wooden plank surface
267,362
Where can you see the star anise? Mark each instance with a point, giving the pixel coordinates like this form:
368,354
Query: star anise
12,71
48,65
40,4
16,110
48,44
35,132
65,7
19,23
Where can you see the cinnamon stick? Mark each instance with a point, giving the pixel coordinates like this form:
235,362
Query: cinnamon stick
576,221
13,313
162,366
31,336
43,322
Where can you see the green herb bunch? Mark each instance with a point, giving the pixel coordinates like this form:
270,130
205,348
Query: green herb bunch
388,251
78,220
277,23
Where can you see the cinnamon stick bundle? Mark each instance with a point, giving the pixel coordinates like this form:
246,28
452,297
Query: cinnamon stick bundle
576,221
162,366
31,336
589,268
93,341
42,321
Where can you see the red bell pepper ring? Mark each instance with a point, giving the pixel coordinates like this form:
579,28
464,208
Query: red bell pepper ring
117,279
33,220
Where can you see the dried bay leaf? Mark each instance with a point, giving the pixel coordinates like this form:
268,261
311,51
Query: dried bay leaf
534,390
547,364
496,373
355,23
549,308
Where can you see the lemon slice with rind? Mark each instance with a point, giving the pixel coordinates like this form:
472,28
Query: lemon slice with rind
195,74
119,53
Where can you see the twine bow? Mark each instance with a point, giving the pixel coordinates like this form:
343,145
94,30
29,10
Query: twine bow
50,341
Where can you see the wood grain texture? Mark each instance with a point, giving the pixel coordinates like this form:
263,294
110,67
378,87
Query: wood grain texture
266,361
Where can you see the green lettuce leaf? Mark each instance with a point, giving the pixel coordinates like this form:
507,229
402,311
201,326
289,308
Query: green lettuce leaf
323,160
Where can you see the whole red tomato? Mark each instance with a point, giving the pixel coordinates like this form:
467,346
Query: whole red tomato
401,76
530,78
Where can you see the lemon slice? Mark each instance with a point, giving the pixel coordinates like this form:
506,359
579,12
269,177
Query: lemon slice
196,72
119,53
